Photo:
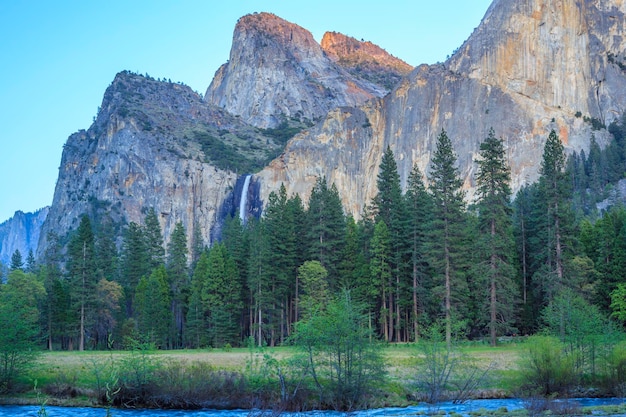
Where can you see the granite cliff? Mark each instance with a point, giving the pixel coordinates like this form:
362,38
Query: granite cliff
530,66
364,59
154,144
159,144
277,71
21,232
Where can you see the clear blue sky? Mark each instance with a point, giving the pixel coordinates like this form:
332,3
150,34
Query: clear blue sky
58,57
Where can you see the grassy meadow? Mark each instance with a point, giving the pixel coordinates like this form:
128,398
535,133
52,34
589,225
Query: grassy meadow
83,378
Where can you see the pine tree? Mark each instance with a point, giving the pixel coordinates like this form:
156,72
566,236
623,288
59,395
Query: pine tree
447,229
196,324
55,306
554,188
134,263
221,297
106,250
419,206
283,257
153,240
81,268
496,240
154,316
325,228
389,206
16,261
381,274
352,259
178,277
31,264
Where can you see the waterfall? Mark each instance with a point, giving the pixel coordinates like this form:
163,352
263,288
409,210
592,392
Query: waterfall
243,201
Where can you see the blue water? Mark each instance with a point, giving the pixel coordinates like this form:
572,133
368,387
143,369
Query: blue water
463,409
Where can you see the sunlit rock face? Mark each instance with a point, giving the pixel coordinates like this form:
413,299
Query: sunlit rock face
530,66
364,59
277,70
140,153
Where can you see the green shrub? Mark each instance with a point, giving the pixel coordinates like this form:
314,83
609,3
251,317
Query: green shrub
546,369
614,376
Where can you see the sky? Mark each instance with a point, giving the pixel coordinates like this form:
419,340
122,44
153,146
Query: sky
58,57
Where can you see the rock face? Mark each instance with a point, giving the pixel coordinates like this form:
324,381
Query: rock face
531,66
21,232
364,59
277,70
153,145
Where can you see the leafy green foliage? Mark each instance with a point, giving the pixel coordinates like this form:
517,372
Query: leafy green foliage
344,360
545,367
19,330
284,131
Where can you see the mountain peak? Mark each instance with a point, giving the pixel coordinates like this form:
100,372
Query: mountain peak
364,59
284,73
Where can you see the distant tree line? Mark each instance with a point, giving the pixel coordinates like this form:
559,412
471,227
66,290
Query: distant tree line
415,258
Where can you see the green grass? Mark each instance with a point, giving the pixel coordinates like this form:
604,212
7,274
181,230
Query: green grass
78,367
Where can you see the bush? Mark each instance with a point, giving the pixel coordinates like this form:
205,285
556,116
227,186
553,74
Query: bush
443,372
196,385
546,369
614,376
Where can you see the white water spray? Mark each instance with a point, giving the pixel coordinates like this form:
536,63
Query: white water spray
243,201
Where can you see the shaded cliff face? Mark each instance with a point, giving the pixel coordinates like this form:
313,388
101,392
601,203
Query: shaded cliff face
528,68
154,145
277,70
364,59
21,232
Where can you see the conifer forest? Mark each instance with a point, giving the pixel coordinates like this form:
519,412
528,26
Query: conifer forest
496,267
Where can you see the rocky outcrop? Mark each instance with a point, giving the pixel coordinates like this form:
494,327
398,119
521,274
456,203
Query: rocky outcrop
21,232
531,66
364,59
277,70
158,145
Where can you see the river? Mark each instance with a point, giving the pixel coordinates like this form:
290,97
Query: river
442,409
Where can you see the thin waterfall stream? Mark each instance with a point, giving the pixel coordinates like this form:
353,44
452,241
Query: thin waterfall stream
243,201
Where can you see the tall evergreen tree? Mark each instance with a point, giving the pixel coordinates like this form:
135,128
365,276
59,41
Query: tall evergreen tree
283,261
260,296
57,299
529,224
447,229
381,274
554,188
81,269
16,261
496,239
221,298
134,263
419,206
389,206
196,324
154,315
31,264
178,277
106,250
325,228
153,240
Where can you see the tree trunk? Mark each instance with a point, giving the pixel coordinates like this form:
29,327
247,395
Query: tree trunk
492,325
81,343
415,326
